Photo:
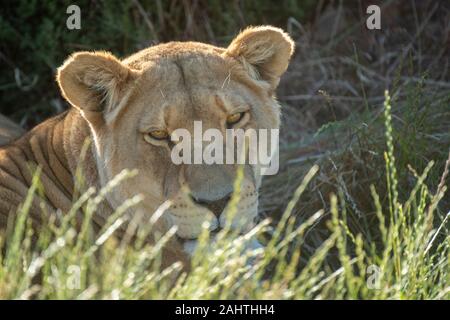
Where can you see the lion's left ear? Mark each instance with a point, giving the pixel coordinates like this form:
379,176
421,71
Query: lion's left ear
264,51
94,82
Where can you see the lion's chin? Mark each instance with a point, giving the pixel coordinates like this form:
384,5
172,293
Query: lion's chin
189,246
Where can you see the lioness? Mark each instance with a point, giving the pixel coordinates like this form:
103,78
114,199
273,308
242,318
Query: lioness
129,109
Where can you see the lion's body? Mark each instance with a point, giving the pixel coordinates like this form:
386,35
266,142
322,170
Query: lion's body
55,147
120,105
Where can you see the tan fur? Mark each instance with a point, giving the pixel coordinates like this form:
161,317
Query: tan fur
116,103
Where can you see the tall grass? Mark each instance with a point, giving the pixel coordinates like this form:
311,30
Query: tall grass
410,260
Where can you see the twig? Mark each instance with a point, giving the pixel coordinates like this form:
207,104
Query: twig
146,19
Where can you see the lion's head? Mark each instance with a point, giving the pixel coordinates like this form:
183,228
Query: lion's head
133,105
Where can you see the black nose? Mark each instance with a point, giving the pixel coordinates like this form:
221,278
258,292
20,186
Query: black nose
216,206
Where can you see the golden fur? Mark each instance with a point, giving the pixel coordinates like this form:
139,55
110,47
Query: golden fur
116,103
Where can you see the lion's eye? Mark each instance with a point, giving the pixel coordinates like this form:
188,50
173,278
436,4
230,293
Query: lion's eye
159,134
235,118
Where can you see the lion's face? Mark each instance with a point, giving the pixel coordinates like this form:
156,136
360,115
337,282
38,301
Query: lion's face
135,105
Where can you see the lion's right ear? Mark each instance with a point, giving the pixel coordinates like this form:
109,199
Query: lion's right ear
264,52
94,81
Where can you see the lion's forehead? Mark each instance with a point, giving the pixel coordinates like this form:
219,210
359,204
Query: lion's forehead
177,88
186,72
175,102
171,50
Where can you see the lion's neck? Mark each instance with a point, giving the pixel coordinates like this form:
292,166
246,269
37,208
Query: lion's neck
78,148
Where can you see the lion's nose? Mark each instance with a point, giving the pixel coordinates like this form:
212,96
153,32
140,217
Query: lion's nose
216,206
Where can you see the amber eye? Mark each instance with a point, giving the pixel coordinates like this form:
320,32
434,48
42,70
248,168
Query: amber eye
235,118
159,134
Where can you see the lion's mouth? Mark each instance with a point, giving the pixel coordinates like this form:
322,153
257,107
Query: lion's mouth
215,206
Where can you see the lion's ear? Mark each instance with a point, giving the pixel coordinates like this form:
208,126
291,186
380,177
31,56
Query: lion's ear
264,51
94,81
